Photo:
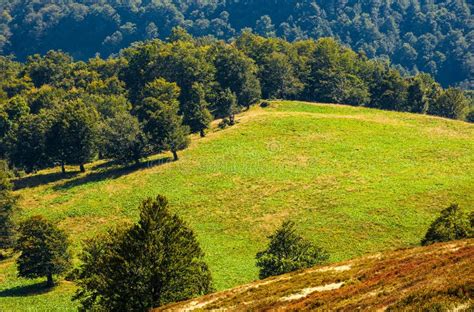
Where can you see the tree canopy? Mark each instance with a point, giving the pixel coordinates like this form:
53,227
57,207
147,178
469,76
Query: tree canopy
154,262
430,36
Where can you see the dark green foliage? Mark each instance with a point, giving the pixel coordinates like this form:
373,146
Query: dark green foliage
27,143
422,93
227,105
171,88
154,262
196,113
72,137
122,138
433,37
452,224
237,72
287,252
452,103
7,206
43,248
52,69
162,123
333,76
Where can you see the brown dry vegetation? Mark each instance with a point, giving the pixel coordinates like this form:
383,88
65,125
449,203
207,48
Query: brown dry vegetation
435,278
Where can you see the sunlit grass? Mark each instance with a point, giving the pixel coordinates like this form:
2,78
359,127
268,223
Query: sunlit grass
355,180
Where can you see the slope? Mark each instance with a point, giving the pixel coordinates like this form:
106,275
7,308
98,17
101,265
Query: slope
435,278
355,180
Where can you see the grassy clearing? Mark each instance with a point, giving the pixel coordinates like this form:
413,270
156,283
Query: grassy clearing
355,180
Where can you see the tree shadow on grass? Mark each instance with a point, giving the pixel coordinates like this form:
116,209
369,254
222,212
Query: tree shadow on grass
110,172
24,291
40,179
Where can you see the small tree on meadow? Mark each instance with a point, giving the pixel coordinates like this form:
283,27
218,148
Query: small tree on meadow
452,224
154,262
43,248
287,252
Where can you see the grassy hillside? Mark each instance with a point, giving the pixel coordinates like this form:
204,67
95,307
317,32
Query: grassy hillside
355,180
435,278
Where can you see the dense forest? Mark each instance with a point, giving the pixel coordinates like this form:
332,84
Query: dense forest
432,36
57,111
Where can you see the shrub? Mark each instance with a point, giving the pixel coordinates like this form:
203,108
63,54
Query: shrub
452,224
288,252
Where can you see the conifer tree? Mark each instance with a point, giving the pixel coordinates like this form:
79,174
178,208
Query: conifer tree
288,251
154,262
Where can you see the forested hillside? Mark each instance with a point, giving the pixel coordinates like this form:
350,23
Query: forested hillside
55,111
432,36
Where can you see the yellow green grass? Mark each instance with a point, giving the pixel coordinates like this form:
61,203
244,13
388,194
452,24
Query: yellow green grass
355,180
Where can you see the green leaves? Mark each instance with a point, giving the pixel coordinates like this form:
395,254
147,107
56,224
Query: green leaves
43,248
452,224
287,252
154,262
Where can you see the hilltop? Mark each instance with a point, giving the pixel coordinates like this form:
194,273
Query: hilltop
431,278
355,180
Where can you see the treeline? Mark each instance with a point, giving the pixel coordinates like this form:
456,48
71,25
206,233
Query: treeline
54,111
431,36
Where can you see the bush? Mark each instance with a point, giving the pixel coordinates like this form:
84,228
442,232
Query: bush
452,224
288,252
154,262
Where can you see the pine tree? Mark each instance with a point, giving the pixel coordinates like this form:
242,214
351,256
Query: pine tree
43,248
154,262
287,251
452,224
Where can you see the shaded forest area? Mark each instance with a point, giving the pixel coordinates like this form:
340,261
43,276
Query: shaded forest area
432,36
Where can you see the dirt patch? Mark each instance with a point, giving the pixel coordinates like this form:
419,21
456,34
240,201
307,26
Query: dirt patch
307,291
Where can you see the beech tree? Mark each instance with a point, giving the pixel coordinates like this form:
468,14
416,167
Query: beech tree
72,137
159,114
196,114
452,103
154,262
123,139
43,250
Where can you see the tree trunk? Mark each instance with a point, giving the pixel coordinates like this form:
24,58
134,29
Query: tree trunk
63,169
202,133
175,155
81,167
50,281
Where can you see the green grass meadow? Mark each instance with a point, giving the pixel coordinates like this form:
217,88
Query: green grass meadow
355,180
